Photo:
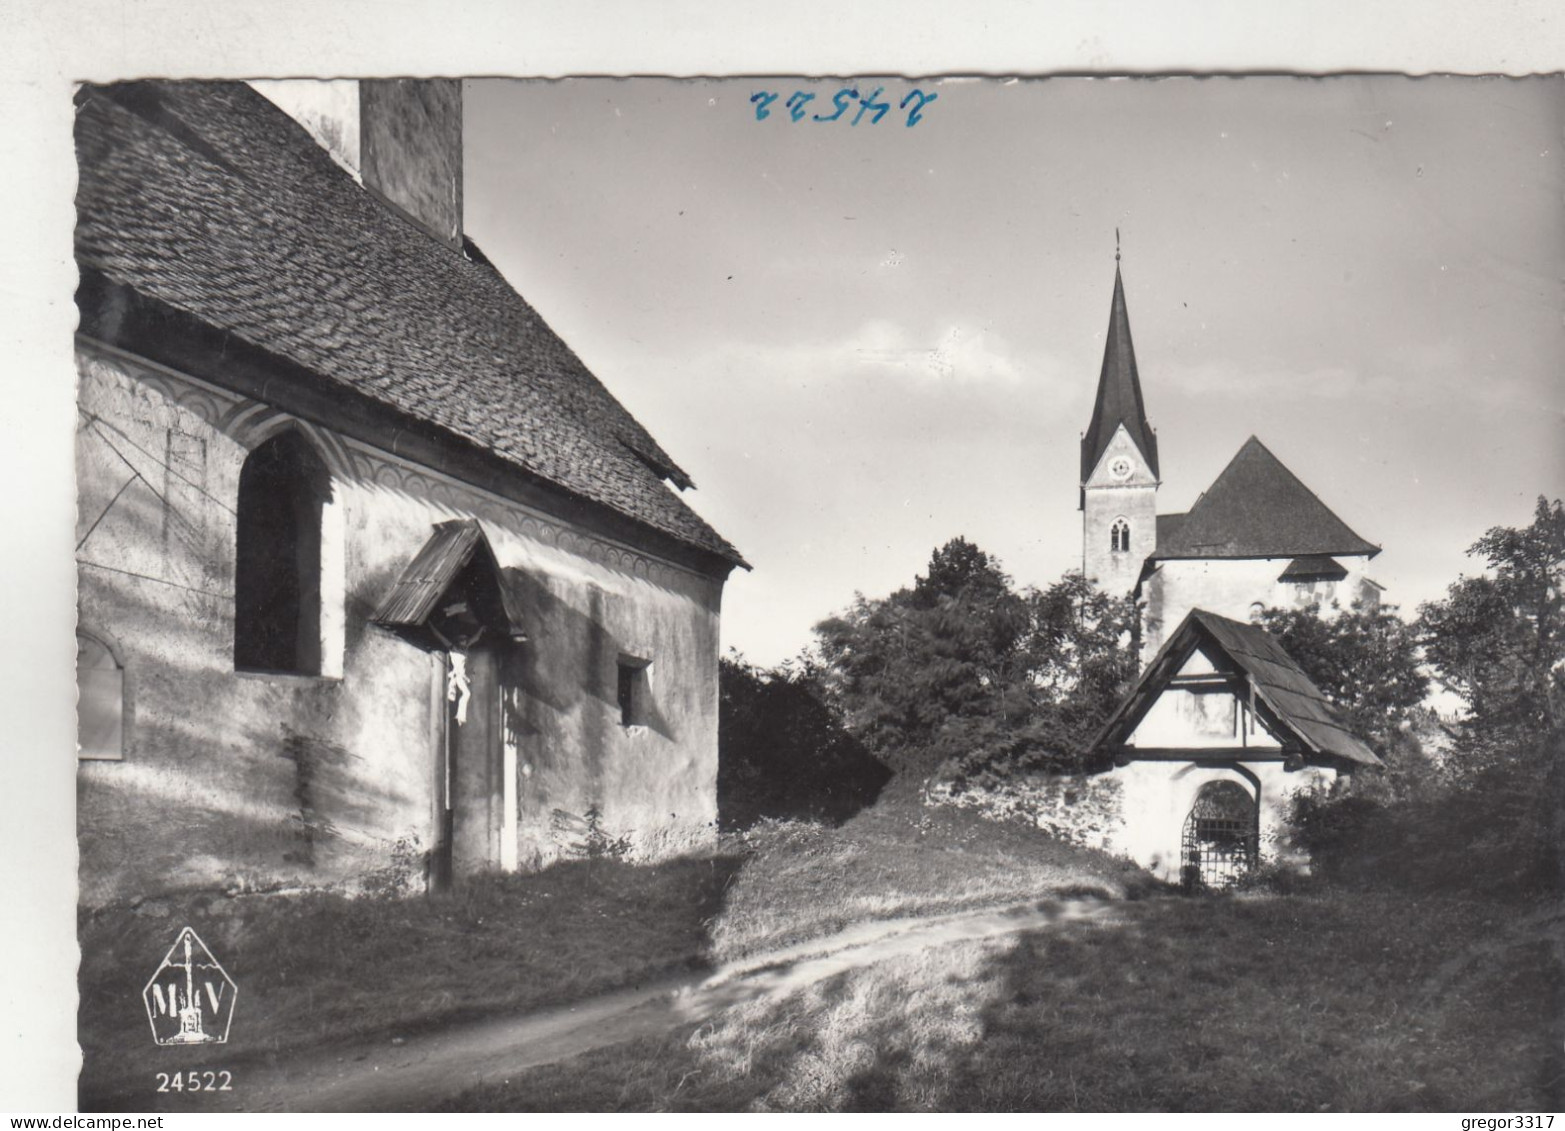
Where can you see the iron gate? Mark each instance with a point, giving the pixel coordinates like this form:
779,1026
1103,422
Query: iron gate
1221,836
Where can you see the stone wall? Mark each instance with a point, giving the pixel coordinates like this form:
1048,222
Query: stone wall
1080,809
1138,810
261,781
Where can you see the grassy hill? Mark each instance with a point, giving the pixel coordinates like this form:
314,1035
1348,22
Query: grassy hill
896,859
1345,1002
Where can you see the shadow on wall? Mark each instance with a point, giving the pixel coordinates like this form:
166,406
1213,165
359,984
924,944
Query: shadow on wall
225,781
783,753
570,655
275,807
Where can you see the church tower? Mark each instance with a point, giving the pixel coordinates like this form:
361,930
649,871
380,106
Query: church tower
1119,472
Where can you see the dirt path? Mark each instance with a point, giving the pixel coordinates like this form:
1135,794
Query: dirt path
414,1074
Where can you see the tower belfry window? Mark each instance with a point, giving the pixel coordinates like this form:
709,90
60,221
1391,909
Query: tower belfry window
1119,536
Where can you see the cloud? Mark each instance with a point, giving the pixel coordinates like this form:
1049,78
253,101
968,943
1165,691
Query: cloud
959,353
883,350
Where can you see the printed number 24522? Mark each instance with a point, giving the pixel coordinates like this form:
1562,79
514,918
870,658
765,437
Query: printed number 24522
193,1081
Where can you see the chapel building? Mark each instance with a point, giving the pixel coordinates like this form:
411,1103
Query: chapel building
378,585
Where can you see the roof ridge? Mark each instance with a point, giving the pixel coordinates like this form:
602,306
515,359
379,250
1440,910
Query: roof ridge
1303,486
1257,507
291,258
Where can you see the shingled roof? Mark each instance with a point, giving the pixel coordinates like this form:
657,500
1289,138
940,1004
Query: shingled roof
1257,508
1289,696
1314,567
1168,527
1119,393
208,198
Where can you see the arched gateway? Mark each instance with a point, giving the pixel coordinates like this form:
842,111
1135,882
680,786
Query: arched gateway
1221,836
1220,732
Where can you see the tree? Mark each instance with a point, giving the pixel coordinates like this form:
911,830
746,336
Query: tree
1498,641
1366,662
782,752
911,671
1083,654
1491,825
1364,659
961,669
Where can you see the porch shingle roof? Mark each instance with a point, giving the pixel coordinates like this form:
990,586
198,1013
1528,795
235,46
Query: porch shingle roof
1276,677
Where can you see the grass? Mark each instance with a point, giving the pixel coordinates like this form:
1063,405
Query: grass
1323,999
1328,1002
898,859
319,968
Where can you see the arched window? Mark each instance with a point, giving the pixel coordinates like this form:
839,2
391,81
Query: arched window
100,702
1119,536
277,578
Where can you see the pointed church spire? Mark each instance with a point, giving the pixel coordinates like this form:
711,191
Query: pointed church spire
1119,389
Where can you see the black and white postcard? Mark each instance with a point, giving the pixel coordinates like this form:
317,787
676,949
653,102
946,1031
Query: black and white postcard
785,593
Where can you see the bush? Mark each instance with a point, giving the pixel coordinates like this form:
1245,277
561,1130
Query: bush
783,753
1278,879
1491,829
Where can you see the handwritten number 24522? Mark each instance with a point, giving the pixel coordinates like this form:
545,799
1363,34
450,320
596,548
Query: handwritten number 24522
844,100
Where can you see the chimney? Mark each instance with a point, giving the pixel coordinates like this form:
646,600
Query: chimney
399,138
410,150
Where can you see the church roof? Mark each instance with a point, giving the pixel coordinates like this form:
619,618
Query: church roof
1314,567
206,197
1119,393
1289,696
1257,508
1168,527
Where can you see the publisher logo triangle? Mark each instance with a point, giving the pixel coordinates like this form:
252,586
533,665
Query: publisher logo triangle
190,999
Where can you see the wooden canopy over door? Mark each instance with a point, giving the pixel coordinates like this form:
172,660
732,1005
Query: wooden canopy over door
452,601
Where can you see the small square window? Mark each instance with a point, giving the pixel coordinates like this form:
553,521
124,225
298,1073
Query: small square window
634,691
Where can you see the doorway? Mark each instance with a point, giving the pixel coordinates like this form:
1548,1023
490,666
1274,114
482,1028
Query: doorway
1221,837
471,769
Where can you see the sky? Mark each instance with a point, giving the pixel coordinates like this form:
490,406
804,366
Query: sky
864,340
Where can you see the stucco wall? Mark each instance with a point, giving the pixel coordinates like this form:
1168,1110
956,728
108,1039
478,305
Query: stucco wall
1157,797
260,781
1231,588
1197,717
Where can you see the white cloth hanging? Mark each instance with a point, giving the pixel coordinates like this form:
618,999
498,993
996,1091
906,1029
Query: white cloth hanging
458,688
